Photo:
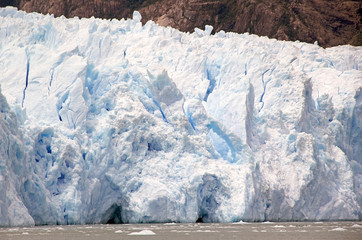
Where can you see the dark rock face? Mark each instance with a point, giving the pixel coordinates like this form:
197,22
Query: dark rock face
80,8
331,23
4,3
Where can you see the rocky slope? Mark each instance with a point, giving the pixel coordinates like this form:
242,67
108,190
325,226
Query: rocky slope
328,22
331,23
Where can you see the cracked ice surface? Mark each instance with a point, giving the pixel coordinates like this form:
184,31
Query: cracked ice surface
119,122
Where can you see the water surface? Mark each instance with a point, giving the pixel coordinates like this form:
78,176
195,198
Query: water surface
200,231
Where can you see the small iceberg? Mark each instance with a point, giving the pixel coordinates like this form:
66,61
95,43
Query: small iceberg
279,226
356,226
143,233
240,222
338,229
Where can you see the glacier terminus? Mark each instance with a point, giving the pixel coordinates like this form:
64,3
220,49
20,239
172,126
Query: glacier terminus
112,121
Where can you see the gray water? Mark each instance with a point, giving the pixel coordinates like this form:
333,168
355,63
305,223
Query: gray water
273,231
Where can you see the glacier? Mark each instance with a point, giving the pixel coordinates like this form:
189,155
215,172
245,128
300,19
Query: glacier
112,121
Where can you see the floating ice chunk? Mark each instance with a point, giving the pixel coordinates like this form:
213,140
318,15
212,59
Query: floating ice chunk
240,222
13,229
143,233
339,229
118,231
206,231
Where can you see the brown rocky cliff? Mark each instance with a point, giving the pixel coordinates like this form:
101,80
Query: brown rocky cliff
330,22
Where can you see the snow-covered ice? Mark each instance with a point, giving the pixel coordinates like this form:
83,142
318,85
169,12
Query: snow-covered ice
108,121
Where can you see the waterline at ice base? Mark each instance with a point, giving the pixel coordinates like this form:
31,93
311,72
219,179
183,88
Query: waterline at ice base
112,121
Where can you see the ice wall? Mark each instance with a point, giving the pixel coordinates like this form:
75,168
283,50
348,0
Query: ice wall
116,122
12,170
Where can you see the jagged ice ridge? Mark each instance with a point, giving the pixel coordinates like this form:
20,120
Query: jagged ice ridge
115,121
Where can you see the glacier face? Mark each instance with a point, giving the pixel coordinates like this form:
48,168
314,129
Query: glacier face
115,121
